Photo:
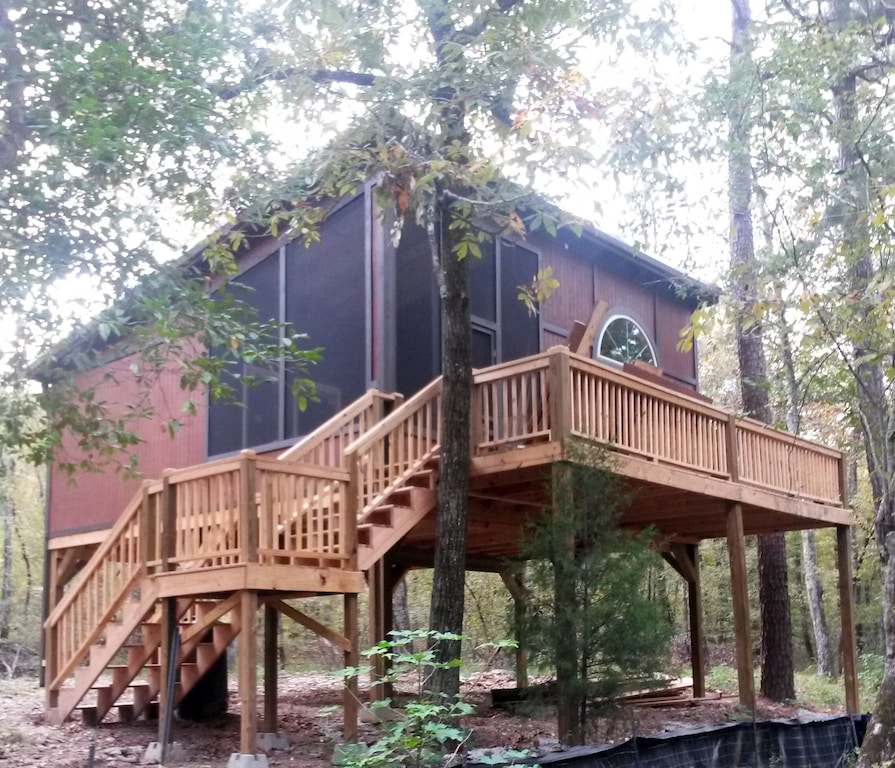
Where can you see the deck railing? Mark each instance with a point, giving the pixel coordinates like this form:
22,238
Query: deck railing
326,445
395,448
557,394
94,596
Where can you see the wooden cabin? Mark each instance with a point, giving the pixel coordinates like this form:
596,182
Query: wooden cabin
255,503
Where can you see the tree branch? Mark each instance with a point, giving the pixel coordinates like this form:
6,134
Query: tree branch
478,25
363,79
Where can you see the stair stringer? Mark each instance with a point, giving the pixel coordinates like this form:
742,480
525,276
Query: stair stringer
100,655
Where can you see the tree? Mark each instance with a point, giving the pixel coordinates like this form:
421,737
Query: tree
490,87
777,673
114,123
586,615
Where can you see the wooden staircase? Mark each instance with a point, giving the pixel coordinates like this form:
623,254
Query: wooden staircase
345,495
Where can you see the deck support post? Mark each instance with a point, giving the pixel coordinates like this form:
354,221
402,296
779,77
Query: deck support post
515,584
247,660
736,546
167,667
270,738
847,614
379,596
697,627
350,700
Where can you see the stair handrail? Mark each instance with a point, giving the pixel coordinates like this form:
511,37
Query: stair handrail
334,428
374,480
86,632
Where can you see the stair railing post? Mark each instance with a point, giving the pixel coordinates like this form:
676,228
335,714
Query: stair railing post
352,509
169,521
148,526
248,508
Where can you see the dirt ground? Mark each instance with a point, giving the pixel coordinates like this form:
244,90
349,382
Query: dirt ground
27,742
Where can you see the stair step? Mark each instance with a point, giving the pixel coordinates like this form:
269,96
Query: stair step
422,479
365,534
126,713
381,515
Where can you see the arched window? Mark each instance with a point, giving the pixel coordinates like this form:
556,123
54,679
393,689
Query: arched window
625,341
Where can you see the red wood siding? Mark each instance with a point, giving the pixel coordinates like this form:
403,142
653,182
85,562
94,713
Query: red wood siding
626,298
574,299
97,499
672,319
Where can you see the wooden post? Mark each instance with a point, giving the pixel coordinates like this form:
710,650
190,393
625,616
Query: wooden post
271,624
148,529
560,394
169,626
515,584
168,514
736,547
583,343
377,599
248,509
847,613
350,701
733,466
697,629
351,505
247,659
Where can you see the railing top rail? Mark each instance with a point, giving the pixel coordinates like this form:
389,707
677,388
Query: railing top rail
127,517
395,418
209,468
346,415
504,370
317,471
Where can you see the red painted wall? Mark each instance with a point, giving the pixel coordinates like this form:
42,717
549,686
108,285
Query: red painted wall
96,499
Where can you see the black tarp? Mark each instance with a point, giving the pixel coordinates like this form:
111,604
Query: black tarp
816,742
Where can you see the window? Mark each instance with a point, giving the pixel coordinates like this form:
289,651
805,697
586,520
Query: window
624,341
321,291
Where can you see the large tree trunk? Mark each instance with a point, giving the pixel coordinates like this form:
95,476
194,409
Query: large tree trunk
875,409
446,611
777,676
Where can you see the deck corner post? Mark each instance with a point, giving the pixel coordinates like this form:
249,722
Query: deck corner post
733,464
847,611
350,700
248,508
560,393
736,546
514,580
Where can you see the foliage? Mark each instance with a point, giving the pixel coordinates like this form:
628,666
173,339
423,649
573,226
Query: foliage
428,724
588,609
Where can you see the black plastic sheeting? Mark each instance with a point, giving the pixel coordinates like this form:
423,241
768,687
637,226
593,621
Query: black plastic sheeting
822,742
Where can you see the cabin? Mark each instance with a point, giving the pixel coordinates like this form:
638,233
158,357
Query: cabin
257,502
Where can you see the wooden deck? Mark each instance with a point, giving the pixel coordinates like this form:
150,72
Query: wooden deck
362,488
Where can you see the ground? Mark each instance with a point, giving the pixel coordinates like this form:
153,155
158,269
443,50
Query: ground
27,742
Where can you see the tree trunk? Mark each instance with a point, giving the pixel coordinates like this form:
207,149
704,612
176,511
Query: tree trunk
826,666
6,522
777,674
446,611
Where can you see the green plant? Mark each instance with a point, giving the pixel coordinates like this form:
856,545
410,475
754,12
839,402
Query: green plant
427,726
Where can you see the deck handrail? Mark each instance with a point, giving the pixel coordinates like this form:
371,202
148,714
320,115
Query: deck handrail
324,446
78,619
526,400
395,447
